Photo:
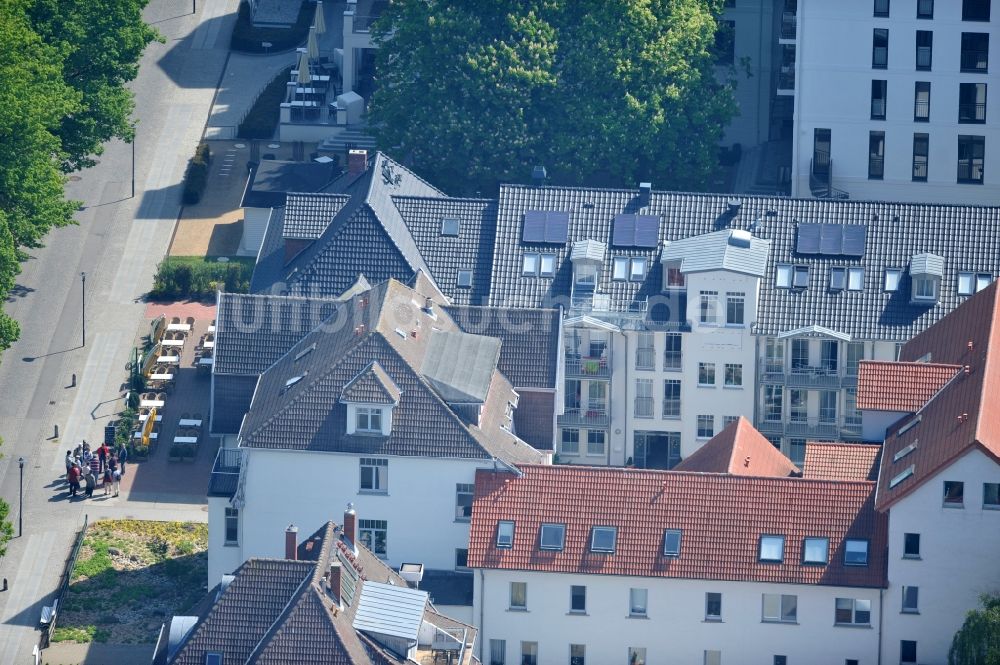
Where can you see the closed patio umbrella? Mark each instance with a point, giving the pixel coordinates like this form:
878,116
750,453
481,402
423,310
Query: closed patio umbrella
312,46
304,69
319,22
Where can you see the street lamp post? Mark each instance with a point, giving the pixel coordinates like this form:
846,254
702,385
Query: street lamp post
20,499
133,167
83,306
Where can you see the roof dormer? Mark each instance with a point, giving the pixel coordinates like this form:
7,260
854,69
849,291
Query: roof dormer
370,398
926,271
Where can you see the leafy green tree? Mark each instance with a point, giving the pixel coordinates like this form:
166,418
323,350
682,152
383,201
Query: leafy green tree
599,92
100,42
978,640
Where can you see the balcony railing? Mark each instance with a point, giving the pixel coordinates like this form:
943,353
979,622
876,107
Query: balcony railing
921,110
786,77
788,20
645,358
225,472
585,417
643,407
970,172
974,61
672,360
590,368
975,113
671,408
876,167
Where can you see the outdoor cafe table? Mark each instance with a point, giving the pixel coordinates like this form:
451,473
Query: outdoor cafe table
138,435
161,377
172,342
145,416
158,403
179,327
211,329
185,439
169,359
189,422
205,362
209,344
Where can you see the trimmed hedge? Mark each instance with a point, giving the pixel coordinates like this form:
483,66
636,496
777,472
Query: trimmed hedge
199,280
265,114
248,39
196,175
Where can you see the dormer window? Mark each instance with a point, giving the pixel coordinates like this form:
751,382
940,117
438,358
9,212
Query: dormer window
925,274
924,288
551,536
673,278
368,419
585,275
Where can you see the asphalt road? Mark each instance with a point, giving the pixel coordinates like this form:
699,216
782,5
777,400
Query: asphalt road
118,242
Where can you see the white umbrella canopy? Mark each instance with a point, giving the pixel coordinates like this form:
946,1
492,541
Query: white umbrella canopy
319,22
312,46
304,76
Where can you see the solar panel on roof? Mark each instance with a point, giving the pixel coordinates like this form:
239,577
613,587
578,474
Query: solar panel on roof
831,239
632,230
546,227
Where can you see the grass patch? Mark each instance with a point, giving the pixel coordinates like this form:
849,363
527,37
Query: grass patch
262,119
199,277
130,577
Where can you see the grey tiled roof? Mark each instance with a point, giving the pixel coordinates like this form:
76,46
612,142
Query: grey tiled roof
534,419
471,250
296,404
308,215
967,237
231,394
529,349
371,386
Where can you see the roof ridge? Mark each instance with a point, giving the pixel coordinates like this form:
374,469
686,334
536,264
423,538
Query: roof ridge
269,634
988,359
661,472
445,199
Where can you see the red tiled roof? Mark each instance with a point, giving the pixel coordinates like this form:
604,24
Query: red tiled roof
900,386
741,450
841,461
722,517
955,420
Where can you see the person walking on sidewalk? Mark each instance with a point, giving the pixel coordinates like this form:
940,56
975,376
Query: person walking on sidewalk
91,480
73,476
122,456
102,456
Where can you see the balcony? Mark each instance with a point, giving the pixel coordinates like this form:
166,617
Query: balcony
643,407
974,61
225,472
645,358
587,368
786,80
972,113
788,21
591,417
808,377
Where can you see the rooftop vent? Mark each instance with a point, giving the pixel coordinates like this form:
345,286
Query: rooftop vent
538,176
645,193
734,206
413,573
740,238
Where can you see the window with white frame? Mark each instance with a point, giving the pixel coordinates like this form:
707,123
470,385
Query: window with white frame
232,526
672,351
708,308
713,606
637,269
734,375
602,538
547,265
529,264
816,551
892,278
643,398
620,269
596,442
911,600
529,653
671,398
780,607
498,652
368,419
505,534
374,534
800,277
374,475
772,549
855,279
518,595
828,406
855,552
551,536
783,276
464,279
673,278
645,353
728,420
706,374
773,401
853,612
966,283
735,308
706,426
637,602
924,287
570,441
838,278
983,280
463,501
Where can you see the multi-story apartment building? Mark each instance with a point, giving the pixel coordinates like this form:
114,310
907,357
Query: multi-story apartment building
648,567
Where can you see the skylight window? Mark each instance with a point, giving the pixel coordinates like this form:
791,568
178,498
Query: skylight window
292,381
638,270
547,265
530,264
982,281
783,278
903,452
801,277
672,542
908,426
305,352
552,536
838,279
602,539
901,476
816,550
450,227
855,552
772,549
465,279
965,280
505,534
855,279
892,278
620,272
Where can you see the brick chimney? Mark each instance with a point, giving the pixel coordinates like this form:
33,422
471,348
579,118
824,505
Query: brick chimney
351,525
357,161
334,581
291,542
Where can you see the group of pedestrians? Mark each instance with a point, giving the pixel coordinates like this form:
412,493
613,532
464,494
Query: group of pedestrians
86,469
